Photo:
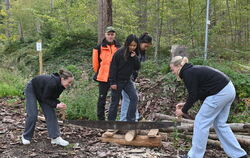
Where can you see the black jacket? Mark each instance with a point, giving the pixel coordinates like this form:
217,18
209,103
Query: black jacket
201,82
121,69
47,88
142,58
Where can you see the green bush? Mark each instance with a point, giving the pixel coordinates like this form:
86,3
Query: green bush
11,84
81,100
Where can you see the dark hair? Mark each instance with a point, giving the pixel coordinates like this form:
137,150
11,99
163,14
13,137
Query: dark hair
145,38
128,41
65,74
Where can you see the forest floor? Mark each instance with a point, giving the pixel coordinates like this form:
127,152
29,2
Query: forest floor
84,142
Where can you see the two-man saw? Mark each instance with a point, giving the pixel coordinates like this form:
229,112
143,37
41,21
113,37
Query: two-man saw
123,125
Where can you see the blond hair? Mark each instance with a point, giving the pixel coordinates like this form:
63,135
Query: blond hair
179,61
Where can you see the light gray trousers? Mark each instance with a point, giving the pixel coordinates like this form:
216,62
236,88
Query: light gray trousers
214,112
32,112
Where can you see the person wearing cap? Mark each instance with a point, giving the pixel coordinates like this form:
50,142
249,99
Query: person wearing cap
145,41
101,58
217,92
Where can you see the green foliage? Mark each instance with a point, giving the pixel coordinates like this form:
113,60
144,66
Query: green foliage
11,84
81,100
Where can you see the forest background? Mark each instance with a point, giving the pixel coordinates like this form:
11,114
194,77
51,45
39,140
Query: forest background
69,30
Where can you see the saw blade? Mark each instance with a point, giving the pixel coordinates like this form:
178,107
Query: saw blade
122,125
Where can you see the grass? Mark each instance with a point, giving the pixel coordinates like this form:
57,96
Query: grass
11,83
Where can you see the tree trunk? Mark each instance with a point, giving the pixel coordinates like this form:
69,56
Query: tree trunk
157,33
7,31
142,15
104,17
190,21
20,30
230,22
51,5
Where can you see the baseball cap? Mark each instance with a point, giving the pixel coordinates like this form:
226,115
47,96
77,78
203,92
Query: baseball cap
109,29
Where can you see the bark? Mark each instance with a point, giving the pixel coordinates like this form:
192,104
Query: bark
7,31
230,21
190,21
142,15
157,33
173,118
20,30
51,5
104,17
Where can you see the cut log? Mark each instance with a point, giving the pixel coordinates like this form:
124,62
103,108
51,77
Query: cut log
130,135
209,141
139,140
242,139
109,133
153,133
172,118
44,120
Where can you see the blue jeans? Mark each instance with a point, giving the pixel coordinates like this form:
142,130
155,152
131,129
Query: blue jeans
32,112
129,88
214,112
125,105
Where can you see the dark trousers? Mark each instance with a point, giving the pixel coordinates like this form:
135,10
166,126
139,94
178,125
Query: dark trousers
103,91
129,88
32,112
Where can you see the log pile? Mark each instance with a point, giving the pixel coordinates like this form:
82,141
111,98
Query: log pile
150,138
241,130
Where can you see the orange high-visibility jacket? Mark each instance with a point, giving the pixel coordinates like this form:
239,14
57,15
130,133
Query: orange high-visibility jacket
101,58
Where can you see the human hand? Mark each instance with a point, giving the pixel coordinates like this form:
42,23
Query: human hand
61,106
114,87
178,112
179,105
132,54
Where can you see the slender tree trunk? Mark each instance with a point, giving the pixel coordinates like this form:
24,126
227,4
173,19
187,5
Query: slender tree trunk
142,15
236,24
247,28
20,30
230,22
190,21
157,33
7,31
51,5
104,17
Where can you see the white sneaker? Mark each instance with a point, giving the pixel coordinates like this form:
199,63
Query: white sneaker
25,141
59,141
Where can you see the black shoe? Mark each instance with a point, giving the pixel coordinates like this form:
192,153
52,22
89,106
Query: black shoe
244,156
184,156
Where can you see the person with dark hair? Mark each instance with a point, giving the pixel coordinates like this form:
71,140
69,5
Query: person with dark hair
217,92
124,63
145,41
45,89
101,59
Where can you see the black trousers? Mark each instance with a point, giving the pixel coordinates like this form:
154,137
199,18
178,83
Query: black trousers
103,91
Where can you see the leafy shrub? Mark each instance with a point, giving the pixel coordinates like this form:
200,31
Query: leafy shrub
81,100
11,84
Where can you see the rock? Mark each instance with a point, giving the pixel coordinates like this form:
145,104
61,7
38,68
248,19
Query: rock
179,50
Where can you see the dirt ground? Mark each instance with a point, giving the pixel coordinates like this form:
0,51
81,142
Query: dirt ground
84,142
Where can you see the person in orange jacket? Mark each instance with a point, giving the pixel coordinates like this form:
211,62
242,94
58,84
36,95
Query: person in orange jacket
101,60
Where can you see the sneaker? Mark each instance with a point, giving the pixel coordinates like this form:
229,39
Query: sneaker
25,141
59,141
